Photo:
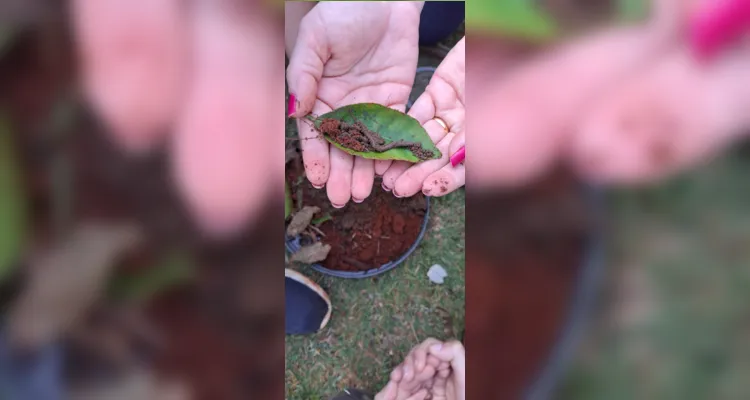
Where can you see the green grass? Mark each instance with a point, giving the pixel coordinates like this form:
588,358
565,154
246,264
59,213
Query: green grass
376,321
674,323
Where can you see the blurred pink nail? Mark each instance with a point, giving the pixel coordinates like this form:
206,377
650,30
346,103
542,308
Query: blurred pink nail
337,205
292,105
316,186
458,156
716,25
385,187
356,200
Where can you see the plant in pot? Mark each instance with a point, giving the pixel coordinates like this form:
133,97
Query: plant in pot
368,238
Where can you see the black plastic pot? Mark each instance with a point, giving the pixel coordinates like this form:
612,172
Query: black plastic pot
293,245
584,296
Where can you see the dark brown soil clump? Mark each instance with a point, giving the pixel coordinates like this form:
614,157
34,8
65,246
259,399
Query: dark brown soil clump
363,235
523,260
358,137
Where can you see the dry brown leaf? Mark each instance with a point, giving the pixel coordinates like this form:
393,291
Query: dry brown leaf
65,281
301,220
313,253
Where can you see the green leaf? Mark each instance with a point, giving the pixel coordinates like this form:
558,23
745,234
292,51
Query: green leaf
174,269
519,19
320,220
632,10
390,124
13,215
288,203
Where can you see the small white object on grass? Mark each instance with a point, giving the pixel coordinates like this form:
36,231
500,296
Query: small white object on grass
437,274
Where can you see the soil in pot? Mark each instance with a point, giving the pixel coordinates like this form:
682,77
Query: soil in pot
363,235
521,271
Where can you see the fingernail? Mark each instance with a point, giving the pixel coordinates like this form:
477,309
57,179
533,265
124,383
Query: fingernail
458,156
395,193
407,370
337,205
436,347
385,187
718,24
292,105
356,200
426,192
316,186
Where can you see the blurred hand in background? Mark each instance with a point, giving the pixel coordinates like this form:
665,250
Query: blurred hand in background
195,77
627,104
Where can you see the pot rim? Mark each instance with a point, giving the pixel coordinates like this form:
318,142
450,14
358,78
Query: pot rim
579,309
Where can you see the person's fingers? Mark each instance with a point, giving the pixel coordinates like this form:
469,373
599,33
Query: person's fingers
541,101
397,374
389,392
306,64
419,353
445,180
411,181
454,353
315,149
458,141
216,162
126,48
432,360
381,166
440,385
339,186
409,373
436,133
425,374
420,395
675,115
363,177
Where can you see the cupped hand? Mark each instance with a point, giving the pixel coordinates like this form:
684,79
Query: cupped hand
432,370
348,53
413,379
444,100
449,383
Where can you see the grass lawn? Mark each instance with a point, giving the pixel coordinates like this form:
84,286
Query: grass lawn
376,321
675,314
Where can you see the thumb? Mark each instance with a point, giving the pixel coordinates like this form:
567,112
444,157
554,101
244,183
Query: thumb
453,352
306,67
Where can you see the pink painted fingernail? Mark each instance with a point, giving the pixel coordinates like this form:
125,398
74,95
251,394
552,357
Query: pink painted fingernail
718,24
458,156
291,107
